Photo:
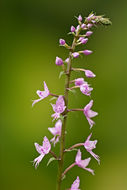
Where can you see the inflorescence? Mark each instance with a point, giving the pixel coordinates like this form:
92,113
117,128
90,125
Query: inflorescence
81,35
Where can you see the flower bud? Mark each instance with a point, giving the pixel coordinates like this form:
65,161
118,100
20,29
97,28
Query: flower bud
89,25
62,42
59,61
89,17
89,33
81,38
72,29
84,41
77,28
83,26
75,54
89,74
87,52
80,18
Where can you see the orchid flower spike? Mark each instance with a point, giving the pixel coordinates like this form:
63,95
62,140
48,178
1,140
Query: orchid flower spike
42,150
59,107
90,113
83,163
90,145
42,94
75,185
56,131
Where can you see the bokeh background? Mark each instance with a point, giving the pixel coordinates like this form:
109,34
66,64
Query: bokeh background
29,35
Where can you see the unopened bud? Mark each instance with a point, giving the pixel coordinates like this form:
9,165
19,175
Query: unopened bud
59,61
72,29
87,52
75,54
89,33
62,42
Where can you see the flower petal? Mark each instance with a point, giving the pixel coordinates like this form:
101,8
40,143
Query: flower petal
75,184
46,145
38,148
78,157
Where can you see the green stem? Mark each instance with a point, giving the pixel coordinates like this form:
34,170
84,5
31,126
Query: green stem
62,143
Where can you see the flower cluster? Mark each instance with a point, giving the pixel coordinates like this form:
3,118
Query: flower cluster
81,34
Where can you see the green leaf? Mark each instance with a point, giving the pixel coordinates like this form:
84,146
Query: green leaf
53,98
51,160
63,177
61,73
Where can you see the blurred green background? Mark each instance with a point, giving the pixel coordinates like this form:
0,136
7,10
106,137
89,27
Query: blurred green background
29,35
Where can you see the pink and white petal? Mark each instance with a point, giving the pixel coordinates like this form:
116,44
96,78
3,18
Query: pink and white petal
89,145
38,160
36,101
53,130
91,122
60,101
38,148
84,163
55,116
41,94
91,113
95,156
88,138
58,126
88,106
78,157
46,88
90,170
46,145
75,184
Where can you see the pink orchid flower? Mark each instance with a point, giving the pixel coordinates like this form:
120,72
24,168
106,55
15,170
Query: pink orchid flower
59,107
90,145
42,94
86,89
56,131
90,113
83,163
42,150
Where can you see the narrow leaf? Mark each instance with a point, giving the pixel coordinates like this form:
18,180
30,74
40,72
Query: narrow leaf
51,160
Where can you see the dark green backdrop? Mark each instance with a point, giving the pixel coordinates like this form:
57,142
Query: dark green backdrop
29,36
